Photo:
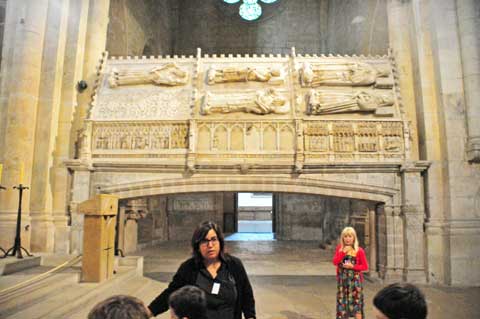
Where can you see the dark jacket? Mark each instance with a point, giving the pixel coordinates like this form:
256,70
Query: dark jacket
187,275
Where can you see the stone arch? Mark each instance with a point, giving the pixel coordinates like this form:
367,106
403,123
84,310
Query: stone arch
255,184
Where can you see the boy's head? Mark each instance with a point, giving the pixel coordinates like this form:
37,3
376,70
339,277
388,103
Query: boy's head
119,307
400,301
188,302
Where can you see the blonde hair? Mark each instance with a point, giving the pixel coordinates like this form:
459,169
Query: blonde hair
349,231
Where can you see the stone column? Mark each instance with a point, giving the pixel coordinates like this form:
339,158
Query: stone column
468,26
64,143
135,210
372,258
414,216
47,123
95,44
80,193
395,249
20,101
399,24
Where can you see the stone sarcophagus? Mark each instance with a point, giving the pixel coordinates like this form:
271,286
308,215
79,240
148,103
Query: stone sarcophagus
204,111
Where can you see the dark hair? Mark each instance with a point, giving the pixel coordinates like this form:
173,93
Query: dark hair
119,307
401,301
199,234
190,302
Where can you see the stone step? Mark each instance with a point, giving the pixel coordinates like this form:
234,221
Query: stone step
12,265
122,286
36,293
92,294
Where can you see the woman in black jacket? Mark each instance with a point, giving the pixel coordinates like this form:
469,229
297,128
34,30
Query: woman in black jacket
220,275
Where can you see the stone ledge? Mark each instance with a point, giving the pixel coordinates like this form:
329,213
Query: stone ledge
11,265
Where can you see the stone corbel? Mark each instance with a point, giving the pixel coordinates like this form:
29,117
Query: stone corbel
473,149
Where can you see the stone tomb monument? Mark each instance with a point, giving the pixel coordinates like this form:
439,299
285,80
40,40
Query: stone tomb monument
329,125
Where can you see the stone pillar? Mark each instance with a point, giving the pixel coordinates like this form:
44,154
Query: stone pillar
394,238
468,26
95,44
372,258
27,19
80,193
64,143
399,23
135,209
414,216
47,123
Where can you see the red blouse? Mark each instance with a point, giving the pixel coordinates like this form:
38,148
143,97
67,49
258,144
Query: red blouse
360,261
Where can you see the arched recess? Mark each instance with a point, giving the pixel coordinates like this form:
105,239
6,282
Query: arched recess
380,218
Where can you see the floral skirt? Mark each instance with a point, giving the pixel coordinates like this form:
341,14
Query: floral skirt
349,294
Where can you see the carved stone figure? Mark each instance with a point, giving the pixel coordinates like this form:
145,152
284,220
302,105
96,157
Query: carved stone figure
362,101
261,102
344,74
244,74
168,74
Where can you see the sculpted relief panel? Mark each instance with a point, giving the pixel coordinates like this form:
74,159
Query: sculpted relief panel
355,137
146,105
260,102
270,75
329,102
326,108
344,73
120,136
168,74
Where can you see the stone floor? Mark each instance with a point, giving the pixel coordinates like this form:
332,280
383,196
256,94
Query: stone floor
295,280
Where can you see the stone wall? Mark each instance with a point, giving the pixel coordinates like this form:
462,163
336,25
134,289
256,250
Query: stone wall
254,213
312,26
219,29
357,27
175,217
320,218
141,27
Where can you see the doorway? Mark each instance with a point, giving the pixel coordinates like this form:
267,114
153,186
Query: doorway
254,216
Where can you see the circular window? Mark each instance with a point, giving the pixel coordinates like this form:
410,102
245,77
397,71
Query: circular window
250,10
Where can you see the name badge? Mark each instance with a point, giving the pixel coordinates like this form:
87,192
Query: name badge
215,288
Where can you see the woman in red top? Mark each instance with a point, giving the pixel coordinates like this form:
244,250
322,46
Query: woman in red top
351,262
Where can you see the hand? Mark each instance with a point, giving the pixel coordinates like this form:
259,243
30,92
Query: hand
348,265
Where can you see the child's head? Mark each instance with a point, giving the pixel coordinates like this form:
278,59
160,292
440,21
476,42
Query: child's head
348,237
188,302
400,300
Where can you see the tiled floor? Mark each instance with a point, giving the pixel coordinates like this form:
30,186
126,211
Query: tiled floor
296,280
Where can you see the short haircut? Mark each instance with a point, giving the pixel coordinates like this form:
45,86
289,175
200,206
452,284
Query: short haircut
199,234
189,302
401,300
119,307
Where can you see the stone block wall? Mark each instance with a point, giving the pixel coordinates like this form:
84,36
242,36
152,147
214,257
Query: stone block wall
311,26
141,27
254,213
174,217
357,27
313,217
